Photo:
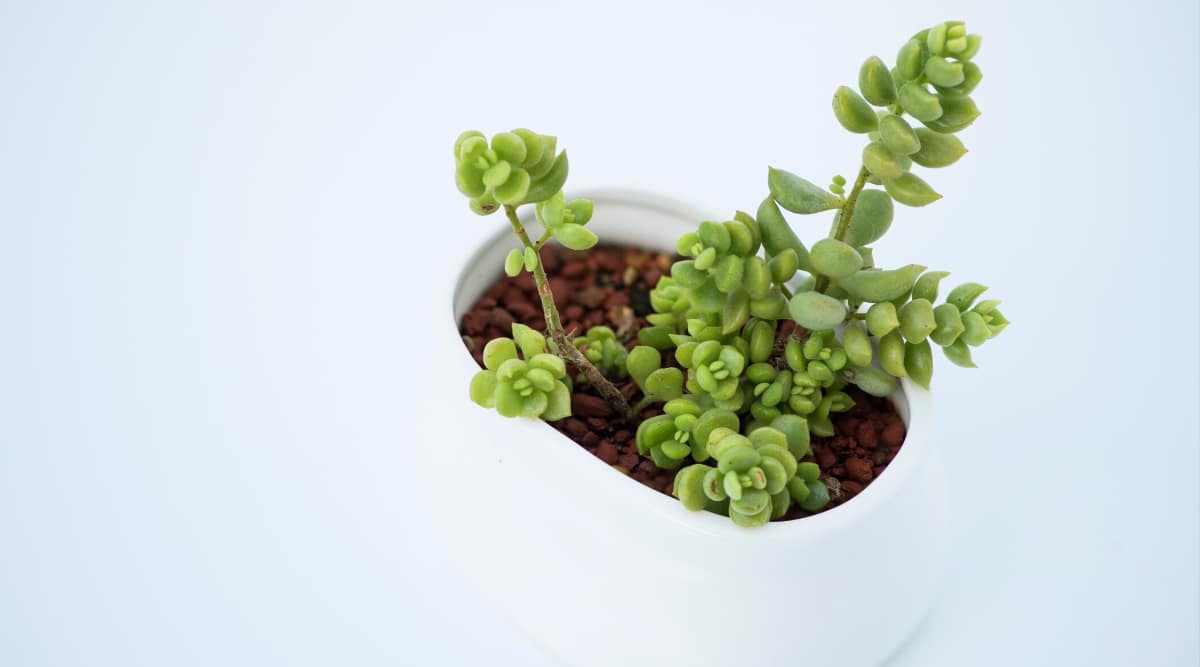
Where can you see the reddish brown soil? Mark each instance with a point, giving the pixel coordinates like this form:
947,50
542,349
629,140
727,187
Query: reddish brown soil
610,285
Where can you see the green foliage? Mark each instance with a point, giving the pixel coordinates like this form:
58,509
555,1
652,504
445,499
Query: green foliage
739,403
565,221
515,168
600,346
530,384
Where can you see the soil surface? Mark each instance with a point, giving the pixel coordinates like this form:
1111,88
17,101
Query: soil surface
610,285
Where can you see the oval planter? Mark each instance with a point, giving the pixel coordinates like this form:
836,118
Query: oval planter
600,570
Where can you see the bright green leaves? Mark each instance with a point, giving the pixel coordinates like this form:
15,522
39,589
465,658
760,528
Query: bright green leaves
514,262
910,190
777,234
565,221
600,347
853,112
644,365
533,386
881,162
875,82
898,136
937,149
814,310
715,370
752,480
872,217
515,168
919,103
799,195
835,259
874,286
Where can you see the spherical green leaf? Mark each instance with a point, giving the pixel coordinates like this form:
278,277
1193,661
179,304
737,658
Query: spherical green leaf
795,428
736,310
548,159
797,489
937,149
964,295
926,286
784,265
910,190
512,263
469,179
664,383
534,147
689,486
949,324
958,112
959,354
510,148
531,342
975,329
875,286
816,311
916,320
857,344
909,63
756,277
483,388
728,273
875,82
919,102
898,136
581,210
559,406
551,183
530,259
942,72
872,380
498,351
891,354
797,195
513,190
918,362
777,234
508,401
473,136
818,497
835,258
871,219
642,360
880,161
853,113
772,307
575,237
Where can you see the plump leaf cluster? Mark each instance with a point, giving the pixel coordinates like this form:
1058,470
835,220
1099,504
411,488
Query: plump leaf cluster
531,384
517,167
756,477
741,400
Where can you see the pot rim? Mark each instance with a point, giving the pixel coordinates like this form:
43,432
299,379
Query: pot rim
914,404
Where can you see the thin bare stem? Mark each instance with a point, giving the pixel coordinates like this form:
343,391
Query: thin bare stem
562,344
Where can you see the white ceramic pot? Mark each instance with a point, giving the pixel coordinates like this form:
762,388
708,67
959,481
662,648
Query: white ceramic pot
600,570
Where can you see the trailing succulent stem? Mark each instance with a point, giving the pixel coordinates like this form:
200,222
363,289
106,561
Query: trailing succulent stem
739,409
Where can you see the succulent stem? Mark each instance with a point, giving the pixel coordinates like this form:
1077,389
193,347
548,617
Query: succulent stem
563,346
844,217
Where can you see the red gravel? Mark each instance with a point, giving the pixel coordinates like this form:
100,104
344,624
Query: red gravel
610,285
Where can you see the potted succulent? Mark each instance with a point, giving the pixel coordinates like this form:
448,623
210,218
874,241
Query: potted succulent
765,384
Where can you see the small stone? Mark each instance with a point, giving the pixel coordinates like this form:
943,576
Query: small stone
629,460
586,405
576,428
867,435
607,452
859,470
893,434
501,319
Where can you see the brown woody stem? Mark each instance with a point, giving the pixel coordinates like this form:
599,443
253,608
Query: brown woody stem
562,344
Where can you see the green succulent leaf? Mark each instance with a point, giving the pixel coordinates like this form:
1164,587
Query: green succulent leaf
852,112
937,149
835,258
798,195
875,286
871,219
910,190
575,237
816,311
875,82
777,234
550,183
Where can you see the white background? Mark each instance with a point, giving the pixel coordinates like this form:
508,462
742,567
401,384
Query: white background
221,226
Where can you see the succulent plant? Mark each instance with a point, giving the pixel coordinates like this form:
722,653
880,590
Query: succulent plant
739,401
530,384
600,346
